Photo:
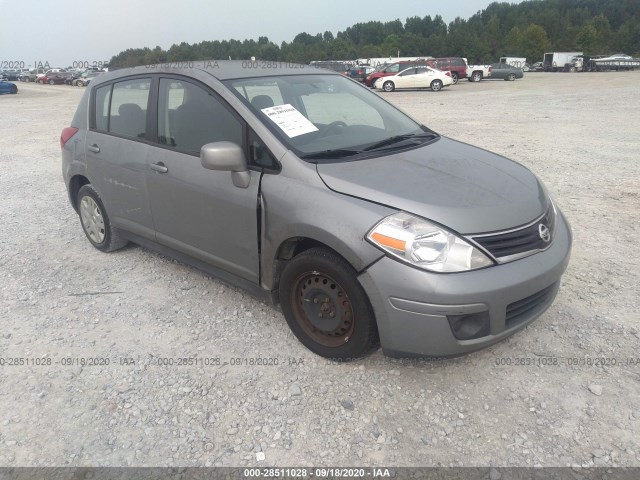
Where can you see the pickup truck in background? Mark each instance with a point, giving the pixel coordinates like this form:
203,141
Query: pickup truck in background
475,73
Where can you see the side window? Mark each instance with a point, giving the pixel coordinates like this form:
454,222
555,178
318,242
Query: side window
422,70
103,97
409,71
190,117
393,68
128,114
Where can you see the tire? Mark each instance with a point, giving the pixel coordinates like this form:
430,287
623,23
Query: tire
14,91
326,307
95,221
388,86
436,85
476,76
454,77
511,77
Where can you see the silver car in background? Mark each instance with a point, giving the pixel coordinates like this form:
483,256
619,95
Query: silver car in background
307,189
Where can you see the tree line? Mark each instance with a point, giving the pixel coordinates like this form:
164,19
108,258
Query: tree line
527,29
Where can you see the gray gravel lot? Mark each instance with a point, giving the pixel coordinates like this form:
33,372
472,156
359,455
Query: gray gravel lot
61,300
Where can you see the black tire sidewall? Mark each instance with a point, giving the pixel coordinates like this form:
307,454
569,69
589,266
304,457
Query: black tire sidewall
364,338
89,191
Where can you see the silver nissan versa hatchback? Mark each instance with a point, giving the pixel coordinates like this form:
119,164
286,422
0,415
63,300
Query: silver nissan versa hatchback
306,188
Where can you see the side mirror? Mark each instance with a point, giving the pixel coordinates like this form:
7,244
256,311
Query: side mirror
226,156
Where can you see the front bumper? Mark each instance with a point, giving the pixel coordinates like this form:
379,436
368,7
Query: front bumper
414,308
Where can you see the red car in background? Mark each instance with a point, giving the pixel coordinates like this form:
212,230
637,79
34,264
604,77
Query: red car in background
54,78
456,65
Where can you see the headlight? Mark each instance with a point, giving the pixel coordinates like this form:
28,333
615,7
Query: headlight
426,245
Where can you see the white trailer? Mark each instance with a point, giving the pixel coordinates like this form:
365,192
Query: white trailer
517,62
377,62
555,61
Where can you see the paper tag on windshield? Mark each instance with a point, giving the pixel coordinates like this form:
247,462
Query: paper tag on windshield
290,120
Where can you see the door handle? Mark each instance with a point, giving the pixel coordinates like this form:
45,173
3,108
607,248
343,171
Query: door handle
159,167
94,148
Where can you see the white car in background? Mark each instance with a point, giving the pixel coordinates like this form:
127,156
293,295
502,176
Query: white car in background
415,77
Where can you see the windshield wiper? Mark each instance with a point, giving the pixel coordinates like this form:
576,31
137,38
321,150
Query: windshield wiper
337,153
398,138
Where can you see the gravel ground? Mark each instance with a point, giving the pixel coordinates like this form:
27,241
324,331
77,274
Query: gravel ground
61,299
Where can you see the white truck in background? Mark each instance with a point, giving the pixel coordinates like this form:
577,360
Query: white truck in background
517,62
475,73
555,61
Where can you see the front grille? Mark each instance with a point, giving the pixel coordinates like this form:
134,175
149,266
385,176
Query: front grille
522,309
519,242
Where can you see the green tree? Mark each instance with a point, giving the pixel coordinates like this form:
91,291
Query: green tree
534,43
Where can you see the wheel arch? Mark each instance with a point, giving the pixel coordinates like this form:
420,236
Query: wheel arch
294,246
76,182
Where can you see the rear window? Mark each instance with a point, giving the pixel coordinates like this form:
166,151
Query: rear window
121,108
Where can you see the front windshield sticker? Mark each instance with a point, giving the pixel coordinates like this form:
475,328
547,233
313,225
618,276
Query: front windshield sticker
290,120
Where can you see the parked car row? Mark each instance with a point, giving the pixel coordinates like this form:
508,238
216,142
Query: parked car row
59,76
422,76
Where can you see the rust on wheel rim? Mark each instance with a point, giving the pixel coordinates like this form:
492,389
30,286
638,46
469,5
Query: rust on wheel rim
323,309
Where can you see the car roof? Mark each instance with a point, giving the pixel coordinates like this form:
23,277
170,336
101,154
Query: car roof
225,69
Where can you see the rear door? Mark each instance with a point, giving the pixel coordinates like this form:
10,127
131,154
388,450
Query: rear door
116,151
498,70
406,78
424,76
197,211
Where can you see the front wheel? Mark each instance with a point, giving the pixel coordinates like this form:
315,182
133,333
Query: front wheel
326,307
511,77
51,82
436,85
388,86
95,221
454,77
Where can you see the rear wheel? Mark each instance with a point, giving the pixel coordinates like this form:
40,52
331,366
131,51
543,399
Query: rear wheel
476,76
436,85
388,86
326,307
511,77
95,221
51,82
454,77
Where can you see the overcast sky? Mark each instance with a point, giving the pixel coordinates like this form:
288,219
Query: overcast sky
63,31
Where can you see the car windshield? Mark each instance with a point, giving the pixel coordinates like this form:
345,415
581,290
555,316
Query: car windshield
328,116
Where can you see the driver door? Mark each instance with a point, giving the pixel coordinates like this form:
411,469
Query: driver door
197,211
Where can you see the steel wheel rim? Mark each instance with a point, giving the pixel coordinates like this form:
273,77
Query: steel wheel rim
92,220
436,86
322,309
387,87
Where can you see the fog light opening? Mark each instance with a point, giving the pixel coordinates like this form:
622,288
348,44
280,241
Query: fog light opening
469,327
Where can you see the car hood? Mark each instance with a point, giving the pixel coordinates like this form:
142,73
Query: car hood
465,188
